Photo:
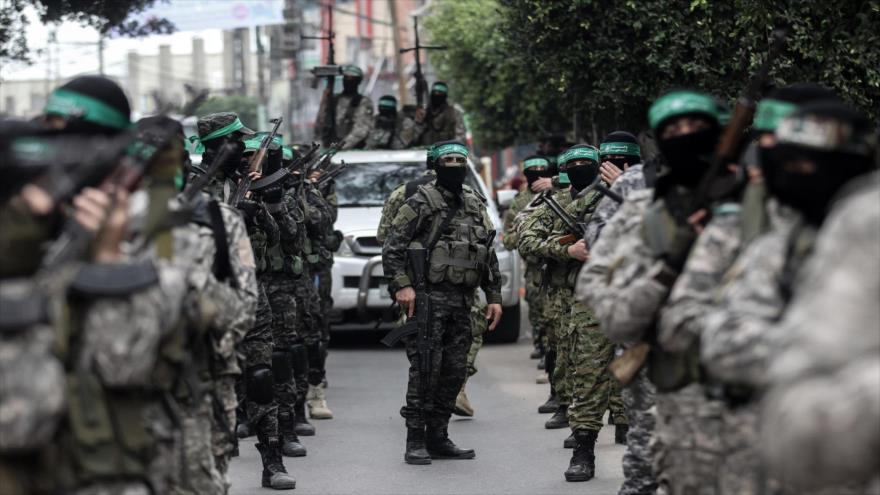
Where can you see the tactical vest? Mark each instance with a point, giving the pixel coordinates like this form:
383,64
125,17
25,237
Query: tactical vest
458,239
283,257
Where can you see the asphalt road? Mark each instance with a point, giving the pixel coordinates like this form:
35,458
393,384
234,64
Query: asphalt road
360,451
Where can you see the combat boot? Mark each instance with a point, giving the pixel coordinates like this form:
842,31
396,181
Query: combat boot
300,421
463,405
290,445
583,460
559,418
441,447
569,442
550,406
243,430
537,352
274,474
542,378
318,403
620,432
541,365
416,452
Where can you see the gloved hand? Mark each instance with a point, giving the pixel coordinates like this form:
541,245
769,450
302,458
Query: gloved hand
273,194
249,208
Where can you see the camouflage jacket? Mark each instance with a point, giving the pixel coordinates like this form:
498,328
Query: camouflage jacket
617,282
520,201
683,316
392,206
397,137
736,342
421,216
528,242
353,124
631,180
286,255
319,218
442,125
825,375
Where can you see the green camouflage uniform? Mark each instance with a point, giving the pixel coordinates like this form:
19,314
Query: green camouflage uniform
467,240
354,119
444,124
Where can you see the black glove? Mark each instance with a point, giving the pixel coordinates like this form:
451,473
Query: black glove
273,194
248,208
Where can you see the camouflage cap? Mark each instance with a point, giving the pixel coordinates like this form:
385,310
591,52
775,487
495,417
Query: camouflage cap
211,126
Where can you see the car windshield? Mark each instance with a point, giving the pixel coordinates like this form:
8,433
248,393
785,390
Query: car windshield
370,184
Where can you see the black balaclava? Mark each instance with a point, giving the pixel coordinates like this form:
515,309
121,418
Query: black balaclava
689,156
581,176
233,163
534,173
350,85
438,96
450,178
832,137
620,137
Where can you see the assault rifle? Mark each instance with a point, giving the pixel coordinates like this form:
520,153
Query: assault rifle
203,179
329,71
576,230
74,240
628,364
255,165
419,323
331,174
284,172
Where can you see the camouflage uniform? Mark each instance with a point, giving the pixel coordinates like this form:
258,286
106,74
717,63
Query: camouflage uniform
820,413
479,326
451,291
444,124
555,310
396,137
615,283
354,119
735,347
687,448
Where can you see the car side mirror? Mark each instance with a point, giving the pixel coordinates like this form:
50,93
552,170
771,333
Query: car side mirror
505,197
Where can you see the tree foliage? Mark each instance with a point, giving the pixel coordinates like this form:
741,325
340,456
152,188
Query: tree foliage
606,61
109,17
244,106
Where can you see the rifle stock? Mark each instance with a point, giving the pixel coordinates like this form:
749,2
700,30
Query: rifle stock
626,366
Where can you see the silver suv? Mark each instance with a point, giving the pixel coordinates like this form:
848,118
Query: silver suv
360,290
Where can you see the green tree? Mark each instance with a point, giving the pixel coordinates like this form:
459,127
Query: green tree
244,106
487,77
608,60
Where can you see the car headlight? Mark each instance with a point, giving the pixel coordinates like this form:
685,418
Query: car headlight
345,247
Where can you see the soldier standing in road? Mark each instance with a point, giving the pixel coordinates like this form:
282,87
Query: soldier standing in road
392,130
354,111
453,225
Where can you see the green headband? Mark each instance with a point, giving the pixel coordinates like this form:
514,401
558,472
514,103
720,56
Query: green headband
579,154
770,112
223,131
286,153
71,104
352,71
563,178
254,142
449,149
387,102
681,103
440,87
620,148
536,162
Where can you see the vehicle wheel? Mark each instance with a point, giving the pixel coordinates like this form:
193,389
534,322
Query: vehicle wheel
507,330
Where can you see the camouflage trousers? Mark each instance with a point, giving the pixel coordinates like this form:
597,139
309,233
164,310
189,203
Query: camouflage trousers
281,290
588,353
535,298
223,432
687,442
257,347
479,326
324,286
638,475
451,337
740,469
558,313
198,470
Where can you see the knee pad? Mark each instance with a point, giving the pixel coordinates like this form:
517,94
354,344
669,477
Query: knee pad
300,357
282,369
260,384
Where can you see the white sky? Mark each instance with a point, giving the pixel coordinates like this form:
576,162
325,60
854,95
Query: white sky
79,52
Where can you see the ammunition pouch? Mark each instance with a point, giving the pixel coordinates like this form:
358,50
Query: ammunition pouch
334,241
259,383
113,279
278,261
282,368
107,436
457,262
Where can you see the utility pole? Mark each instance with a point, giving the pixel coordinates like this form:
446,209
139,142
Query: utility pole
261,67
101,55
402,93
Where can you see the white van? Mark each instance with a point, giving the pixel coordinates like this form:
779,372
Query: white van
360,294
